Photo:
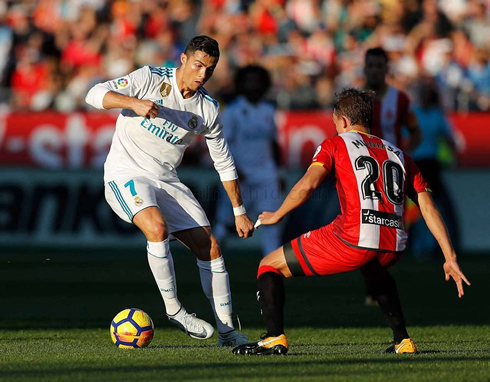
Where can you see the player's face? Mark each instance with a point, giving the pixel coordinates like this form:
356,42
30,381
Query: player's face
197,69
376,69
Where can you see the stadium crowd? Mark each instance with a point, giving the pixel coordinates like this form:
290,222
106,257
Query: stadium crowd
53,51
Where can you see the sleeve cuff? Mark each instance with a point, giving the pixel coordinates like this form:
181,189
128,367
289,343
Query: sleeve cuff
95,97
228,175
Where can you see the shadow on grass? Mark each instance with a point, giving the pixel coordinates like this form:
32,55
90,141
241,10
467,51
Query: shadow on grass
240,368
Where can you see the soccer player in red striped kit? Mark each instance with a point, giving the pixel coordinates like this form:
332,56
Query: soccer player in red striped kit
372,178
391,107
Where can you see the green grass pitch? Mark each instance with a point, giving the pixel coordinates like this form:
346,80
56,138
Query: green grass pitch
56,308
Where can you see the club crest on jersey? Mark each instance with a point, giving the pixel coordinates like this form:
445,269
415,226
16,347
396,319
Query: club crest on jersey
138,201
192,122
317,151
165,89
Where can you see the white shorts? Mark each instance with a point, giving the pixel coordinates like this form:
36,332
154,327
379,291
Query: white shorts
129,195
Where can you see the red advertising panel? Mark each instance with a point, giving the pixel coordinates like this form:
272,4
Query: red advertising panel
300,133
55,140
81,140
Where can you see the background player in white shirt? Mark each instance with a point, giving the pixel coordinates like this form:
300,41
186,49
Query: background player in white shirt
252,136
163,110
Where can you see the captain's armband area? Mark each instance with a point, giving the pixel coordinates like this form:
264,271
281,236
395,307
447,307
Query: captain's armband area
316,164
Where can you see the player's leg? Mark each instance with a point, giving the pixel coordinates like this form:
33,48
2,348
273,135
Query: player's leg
151,222
214,280
271,296
382,286
153,225
188,223
134,200
315,253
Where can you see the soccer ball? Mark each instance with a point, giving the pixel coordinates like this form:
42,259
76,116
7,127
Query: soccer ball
132,328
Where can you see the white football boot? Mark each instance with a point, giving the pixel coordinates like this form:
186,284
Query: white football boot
232,339
192,326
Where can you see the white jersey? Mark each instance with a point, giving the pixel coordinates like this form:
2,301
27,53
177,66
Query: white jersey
251,129
155,147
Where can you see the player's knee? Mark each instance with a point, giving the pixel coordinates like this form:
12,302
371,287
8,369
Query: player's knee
214,250
274,262
268,268
214,244
156,232
270,264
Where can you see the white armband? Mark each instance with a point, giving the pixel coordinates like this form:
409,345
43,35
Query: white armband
240,210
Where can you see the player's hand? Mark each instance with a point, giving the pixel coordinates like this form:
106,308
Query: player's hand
268,218
244,226
451,269
145,108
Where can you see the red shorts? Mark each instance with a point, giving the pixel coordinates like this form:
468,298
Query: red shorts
321,252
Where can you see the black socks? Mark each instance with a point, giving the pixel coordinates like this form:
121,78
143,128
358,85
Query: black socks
271,299
385,292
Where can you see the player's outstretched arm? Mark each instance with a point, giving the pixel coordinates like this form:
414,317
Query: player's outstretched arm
244,226
144,108
436,225
124,93
299,194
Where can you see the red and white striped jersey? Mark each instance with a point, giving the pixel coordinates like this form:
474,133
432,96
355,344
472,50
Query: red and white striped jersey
389,114
372,178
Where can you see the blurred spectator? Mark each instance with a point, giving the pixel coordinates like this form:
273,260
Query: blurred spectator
6,40
477,23
452,82
307,45
30,75
479,75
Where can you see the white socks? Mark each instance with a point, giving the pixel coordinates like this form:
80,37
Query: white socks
162,267
214,281
216,286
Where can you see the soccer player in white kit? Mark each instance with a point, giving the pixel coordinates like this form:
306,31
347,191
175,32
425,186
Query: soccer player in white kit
163,111
250,123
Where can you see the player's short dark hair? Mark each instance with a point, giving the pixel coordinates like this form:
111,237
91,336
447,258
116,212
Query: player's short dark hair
379,52
242,73
203,43
356,105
